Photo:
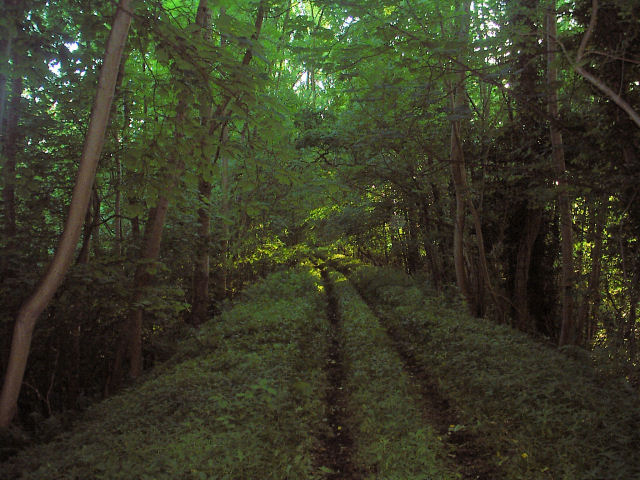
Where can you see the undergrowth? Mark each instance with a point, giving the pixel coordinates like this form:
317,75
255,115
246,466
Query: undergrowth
545,415
390,439
243,401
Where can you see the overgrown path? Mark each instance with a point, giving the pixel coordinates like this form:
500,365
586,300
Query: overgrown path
471,458
337,443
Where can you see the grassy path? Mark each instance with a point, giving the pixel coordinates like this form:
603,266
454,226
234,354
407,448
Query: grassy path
391,437
472,459
337,444
304,380
539,413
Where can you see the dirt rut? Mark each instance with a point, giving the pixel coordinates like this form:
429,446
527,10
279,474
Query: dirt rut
337,443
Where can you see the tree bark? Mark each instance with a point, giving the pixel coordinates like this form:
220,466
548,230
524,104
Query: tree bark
63,257
5,46
200,302
458,176
568,330
532,223
10,150
200,305
151,249
588,312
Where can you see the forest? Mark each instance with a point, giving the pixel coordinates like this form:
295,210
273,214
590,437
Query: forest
320,239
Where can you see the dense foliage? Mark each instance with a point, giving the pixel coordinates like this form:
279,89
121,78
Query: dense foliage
489,149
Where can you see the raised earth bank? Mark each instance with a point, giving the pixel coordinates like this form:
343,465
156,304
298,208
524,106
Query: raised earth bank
302,379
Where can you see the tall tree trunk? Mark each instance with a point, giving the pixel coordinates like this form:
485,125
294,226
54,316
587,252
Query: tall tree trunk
33,307
429,247
567,331
151,249
117,209
413,252
122,141
200,304
458,176
10,150
463,195
6,45
587,316
201,271
226,235
527,238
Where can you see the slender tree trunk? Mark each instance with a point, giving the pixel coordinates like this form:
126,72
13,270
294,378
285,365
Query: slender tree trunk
226,235
532,223
122,141
413,253
33,307
152,240
117,209
201,273
429,247
5,47
151,247
200,306
83,256
587,317
458,175
567,331
10,150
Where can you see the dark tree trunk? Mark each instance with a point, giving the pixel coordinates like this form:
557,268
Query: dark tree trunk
199,312
10,147
587,317
531,228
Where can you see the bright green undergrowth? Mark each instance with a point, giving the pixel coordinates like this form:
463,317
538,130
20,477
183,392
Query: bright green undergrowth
390,439
245,401
545,415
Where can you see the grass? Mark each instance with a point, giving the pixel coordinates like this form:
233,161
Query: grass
391,441
544,415
244,401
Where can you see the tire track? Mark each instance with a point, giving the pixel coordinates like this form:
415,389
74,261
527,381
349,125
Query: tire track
337,442
470,455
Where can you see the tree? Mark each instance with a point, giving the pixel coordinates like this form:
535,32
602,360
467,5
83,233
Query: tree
31,310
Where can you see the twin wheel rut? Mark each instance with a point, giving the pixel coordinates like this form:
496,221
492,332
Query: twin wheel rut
471,458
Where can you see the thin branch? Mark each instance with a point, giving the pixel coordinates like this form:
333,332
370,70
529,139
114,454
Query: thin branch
587,35
595,81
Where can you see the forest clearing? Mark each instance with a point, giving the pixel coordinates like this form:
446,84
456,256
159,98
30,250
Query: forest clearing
320,239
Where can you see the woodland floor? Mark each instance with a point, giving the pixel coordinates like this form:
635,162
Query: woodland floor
337,444
319,375
468,455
